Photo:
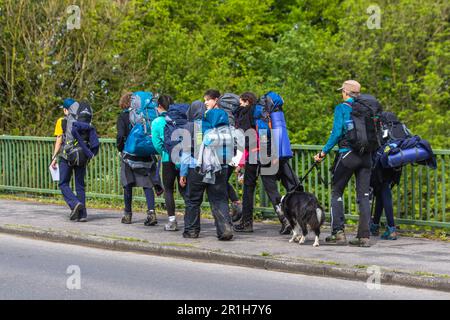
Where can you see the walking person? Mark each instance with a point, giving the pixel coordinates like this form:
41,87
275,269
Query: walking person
134,171
214,103
207,172
170,170
349,162
76,143
245,120
384,179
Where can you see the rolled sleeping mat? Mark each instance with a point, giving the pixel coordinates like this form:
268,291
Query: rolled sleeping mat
407,156
280,135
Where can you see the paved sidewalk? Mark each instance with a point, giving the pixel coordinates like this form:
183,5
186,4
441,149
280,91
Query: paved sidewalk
407,261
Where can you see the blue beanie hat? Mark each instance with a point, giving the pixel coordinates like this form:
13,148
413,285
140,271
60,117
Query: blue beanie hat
67,103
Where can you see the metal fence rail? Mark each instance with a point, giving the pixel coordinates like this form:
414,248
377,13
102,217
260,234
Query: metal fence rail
420,199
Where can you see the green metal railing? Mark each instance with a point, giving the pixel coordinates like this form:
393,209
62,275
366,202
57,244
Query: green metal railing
420,199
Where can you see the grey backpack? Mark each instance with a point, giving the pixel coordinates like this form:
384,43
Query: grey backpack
229,102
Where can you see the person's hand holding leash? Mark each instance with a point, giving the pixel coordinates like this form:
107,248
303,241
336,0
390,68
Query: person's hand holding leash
320,156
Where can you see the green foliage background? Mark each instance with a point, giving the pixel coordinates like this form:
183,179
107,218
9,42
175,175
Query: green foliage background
304,49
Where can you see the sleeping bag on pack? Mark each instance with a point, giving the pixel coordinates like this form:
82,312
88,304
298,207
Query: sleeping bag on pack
280,135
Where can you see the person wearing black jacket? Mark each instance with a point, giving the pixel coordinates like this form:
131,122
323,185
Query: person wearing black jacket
145,177
245,121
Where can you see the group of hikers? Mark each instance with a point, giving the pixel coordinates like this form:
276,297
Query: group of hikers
199,147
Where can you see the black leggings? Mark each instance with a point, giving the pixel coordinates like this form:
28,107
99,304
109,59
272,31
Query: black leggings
346,165
169,174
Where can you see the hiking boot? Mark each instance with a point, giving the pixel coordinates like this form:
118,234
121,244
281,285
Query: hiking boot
285,225
75,214
390,234
227,235
243,226
151,218
171,226
337,238
374,229
236,211
126,219
360,242
190,235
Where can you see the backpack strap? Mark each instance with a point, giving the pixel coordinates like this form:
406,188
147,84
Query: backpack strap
347,104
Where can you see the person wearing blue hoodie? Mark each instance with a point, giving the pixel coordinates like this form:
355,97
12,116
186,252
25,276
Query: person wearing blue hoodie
206,172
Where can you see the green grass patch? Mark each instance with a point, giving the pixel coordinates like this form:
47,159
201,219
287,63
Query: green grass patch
176,244
128,239
21,226
330,263
429,274
360,266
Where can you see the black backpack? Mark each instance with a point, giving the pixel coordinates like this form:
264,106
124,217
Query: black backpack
365,135
392,128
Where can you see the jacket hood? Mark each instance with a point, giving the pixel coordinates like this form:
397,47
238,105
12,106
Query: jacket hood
196,111
178,112
216,118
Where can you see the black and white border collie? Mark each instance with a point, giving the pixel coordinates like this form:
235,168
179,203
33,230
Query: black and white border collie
302,209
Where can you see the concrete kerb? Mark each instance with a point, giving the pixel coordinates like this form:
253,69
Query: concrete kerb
253,261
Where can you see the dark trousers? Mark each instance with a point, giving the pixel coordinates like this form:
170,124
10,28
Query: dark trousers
347,164
217,197
383,198
232,195
128,198
65,175
285,173
170,174
250,179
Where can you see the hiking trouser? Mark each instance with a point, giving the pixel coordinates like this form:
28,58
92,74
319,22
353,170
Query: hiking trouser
232,195
384,201
65,175
287,176
218,200
170,174
250,179
347,164
128,198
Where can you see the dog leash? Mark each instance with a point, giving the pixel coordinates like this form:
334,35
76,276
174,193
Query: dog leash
300,185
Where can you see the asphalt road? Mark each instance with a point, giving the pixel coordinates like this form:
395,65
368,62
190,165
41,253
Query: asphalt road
32,269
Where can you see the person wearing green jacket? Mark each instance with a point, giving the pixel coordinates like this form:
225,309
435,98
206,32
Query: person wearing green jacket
170,172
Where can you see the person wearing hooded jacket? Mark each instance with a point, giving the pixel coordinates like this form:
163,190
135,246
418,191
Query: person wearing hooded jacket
192,174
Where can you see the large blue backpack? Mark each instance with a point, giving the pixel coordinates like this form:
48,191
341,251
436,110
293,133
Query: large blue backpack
176,118
269,103
269,117
142,113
